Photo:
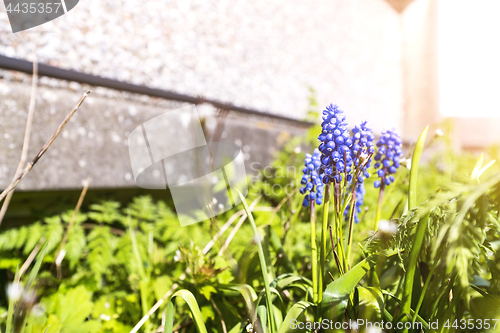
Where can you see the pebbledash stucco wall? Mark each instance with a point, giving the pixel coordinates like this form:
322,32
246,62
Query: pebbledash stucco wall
258,54
261,54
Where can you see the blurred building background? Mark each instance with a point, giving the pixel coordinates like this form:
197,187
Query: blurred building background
392,62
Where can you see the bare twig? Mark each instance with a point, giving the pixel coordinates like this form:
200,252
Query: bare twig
222,230
232,234
227,225
30,165
27,134
237,227
157,305
60,252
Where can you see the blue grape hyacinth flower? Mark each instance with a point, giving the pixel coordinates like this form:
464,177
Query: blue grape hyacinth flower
313,186
335,144
362,146
387,158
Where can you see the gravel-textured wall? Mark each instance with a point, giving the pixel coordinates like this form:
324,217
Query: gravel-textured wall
94,142
261,54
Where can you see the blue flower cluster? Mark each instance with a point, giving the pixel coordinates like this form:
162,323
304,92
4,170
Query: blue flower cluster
363,145
335,144
311,179
360,196
387,157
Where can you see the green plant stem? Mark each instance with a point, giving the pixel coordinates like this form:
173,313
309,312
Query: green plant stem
11,307
415,161
143,284
351,220
421,226
324,230
424,290
340,241
339,233
335,255
263,265
380,202
412,264
314,255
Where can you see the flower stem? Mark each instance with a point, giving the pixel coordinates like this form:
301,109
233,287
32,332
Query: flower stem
379,206
424,290
324,231
314,255
263,266
336,256
351,219
338,220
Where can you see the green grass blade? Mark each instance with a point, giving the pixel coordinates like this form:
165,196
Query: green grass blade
144,282
262,311
294,313
10,310
336,295
424,290
421,320
275,243
314,255
324,238
248,294
36,268
421,227
371,303
169,318
412,264
285,280
262,263
29,283
415,161
267,252
188,297
236,329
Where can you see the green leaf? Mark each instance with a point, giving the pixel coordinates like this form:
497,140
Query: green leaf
248,294
336,295
415,161
36,268
72,309
263,264
266,242
106,212
75,246
294,313
207,290
412,264
371,304
188,297
101,245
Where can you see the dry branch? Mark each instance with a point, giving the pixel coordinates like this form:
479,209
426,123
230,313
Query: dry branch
30,165
27,135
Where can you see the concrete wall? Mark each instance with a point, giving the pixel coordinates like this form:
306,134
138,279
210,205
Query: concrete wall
94,142
260,54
